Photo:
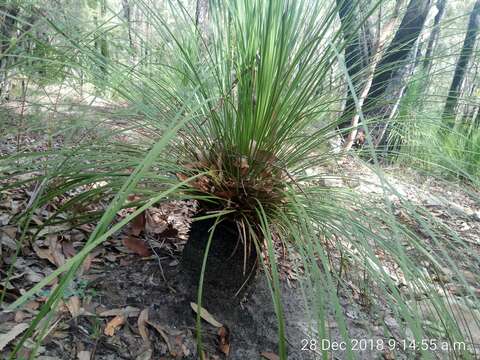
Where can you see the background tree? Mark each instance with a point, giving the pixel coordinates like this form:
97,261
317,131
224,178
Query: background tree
8,20
388,80
434,36
201,16
358,49
461,67
127,12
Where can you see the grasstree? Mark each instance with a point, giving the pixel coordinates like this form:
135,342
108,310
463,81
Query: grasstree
252,140
236,185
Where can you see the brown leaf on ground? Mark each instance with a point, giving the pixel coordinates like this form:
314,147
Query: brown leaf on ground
74,306
20,316
53,252
32,305
205,315
133,197
269,355
43,253
145,355
7,237
156,221
12,334
388,355
87,263
113,324
224,340
68,249
136,245
162,334
128,311
142,326
138,224
84,355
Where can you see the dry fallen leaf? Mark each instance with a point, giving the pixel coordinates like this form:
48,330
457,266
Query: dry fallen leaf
145,355
162,334
87,263
84,355
156,221
53,252
270,355
113,324
142,326
128,311
20,316
43,253
74,306
224,340
388,355
32,305
137,224
205,315
68,249
7,237
56,229
12,334
136,245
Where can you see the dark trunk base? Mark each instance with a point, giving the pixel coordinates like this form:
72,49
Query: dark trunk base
225,271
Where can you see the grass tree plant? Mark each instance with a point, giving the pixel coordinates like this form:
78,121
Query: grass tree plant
247,120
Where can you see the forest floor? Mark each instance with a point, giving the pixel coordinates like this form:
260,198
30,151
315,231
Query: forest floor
132,299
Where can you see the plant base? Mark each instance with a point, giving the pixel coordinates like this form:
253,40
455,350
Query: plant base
225,270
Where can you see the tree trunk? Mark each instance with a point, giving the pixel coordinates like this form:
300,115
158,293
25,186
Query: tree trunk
103,40
388,81
7,27
358,49
461,67
476,118
376,48
127,12
432,41
201,14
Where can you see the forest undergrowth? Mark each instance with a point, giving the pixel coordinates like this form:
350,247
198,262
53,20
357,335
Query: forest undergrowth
314,146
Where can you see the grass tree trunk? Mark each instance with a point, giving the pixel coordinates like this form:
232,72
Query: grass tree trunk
8,21
397,62
357,53
461,67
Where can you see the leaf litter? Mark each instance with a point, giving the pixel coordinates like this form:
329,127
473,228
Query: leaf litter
165,228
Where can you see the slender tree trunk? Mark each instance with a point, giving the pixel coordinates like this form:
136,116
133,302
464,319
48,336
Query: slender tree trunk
103,40
201,16
476,118
127,12
376,48
388,81
461,67
7,30
432,41
357,54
